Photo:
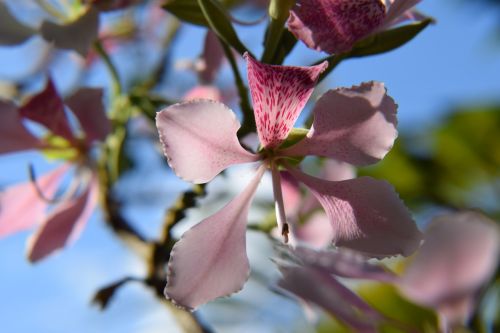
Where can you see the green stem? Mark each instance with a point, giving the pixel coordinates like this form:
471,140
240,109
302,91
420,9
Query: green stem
116,83
274,32
247,111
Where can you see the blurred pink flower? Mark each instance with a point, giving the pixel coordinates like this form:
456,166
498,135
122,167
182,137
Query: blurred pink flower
355,125
459,255
26,205
334,26
313,276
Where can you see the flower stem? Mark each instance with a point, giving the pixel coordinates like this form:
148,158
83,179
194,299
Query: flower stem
247,111
116,83
279,204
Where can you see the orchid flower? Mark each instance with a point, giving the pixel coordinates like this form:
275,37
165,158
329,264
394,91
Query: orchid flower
26,205
459,255
314,277
334,26
356,125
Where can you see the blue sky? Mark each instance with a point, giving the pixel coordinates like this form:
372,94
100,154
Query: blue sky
450,63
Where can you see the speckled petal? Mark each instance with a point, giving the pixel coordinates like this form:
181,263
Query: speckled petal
333,26
355,125
279,94
366,214
199,139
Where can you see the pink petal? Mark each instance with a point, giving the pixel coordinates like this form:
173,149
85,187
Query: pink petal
279,94
13,135
333,26
344,263
366,214
460,253
356,125
21,206
199,139
203,92
320,288
63,224
47,109
292,197
316,230
210,260
213,56
77,35
397,9
86,104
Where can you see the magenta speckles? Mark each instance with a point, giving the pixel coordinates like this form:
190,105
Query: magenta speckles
279,94
335,25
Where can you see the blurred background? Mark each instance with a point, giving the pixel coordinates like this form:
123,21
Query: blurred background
446,82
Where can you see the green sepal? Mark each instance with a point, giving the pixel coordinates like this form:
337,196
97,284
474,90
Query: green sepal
295,135
59,148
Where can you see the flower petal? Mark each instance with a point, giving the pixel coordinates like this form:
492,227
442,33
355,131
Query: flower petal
319,287
397,9
21,206
279,94
47,109
460,253
333,26
86,104
199,139
210,260
13,135
77,35
366,214
344,263
356,125
12,32
63,224
213,57
203,92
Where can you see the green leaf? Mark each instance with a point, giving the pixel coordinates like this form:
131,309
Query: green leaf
404,315
186,10
387,40
285,46
219,21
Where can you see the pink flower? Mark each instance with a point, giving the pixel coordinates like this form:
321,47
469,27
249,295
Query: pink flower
26,205
355,125
459,255
334,26
314,277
